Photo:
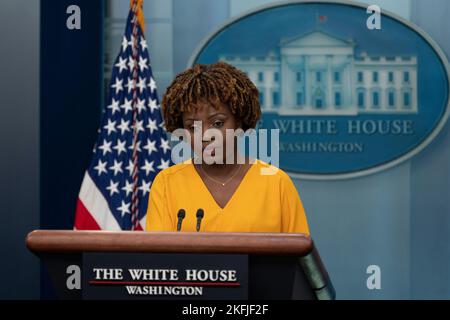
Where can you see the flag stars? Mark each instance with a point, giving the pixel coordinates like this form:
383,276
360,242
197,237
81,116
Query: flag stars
124,208
139,126
140,105
124,126
118,85
145,187
130,167
122,64
141,85
114,106
138,146
128,188
150,146
131,63
164,164
117,167
120,147
152,84
113,187
153,104
148,167
142,64
125,44
126,106
165,145
130,85
143,44
101,167
105,147
133,91
152,125
111,127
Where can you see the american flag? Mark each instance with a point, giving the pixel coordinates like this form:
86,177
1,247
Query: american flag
132,146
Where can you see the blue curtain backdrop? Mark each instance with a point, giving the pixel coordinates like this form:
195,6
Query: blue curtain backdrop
70,106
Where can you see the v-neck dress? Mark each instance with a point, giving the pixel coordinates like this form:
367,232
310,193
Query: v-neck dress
266,200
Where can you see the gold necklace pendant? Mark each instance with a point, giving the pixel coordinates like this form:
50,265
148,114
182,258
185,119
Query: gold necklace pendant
220,182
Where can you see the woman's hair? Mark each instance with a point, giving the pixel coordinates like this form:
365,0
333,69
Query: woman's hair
218,82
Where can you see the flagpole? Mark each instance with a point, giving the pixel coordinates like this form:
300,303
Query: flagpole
135,196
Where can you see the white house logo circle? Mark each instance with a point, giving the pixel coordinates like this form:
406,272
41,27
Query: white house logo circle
348,101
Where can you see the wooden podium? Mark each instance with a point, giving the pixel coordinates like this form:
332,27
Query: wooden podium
181,265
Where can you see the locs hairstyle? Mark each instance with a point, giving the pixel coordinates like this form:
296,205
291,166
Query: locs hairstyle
218,82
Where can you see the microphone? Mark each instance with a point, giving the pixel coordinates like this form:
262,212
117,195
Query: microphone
181,215
200,215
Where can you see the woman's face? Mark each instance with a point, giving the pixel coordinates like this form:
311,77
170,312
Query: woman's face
205,124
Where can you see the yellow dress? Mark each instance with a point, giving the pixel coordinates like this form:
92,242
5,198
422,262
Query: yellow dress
261,203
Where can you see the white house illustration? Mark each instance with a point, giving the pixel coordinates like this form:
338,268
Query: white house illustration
319,74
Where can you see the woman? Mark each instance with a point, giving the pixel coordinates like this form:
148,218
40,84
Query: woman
236,197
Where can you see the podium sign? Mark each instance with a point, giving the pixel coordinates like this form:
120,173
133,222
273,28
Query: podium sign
164,276
181,265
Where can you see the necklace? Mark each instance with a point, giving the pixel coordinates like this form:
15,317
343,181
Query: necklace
220,182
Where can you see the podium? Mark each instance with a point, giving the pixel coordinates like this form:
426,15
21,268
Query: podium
181,265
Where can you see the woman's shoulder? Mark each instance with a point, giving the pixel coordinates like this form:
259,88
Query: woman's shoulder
270,171
275,178
176,169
